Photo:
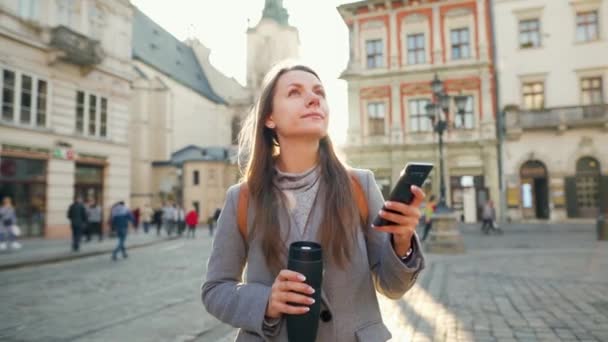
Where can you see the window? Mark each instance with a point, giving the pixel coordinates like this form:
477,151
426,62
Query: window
8,94
415,49
26,99
586,26
374,53
80,112
534,95
375,115
41,104
92,114
592,91
466,119
460,43
419,121
529,33
103,125
27,9
64,12
30,91
195,180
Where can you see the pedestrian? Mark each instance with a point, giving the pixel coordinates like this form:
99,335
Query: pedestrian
94,220
488,218
429,210
77,214
121,216
8,222
146,217
158,220
302,191
136,216
214,218
168,218
180,218
191,222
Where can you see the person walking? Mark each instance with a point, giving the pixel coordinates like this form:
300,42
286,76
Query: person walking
302,191
77,214
169,218
180,219
213,220
488,218
94,221
8,220
158,220
121,216
191,222
146,217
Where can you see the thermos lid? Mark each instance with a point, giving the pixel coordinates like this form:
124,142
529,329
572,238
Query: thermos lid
305,251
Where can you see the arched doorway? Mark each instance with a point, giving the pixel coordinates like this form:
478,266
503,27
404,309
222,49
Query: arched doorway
534,190
588,177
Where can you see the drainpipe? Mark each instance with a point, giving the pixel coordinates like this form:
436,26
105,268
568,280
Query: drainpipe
500,116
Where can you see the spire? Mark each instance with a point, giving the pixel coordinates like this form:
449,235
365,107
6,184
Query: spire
273,9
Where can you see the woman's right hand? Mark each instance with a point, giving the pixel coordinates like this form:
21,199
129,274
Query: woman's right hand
289,287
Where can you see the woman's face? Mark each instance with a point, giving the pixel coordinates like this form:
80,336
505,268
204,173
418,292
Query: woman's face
299,106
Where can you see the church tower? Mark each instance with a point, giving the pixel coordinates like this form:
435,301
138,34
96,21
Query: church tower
270,41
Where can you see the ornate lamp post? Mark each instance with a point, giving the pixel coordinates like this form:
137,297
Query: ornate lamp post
438,111
445,237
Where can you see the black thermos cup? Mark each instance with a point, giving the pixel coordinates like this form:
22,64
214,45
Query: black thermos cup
305,257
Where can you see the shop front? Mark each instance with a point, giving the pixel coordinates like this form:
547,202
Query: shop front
24,181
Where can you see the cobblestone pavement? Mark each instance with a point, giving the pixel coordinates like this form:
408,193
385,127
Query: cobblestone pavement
534,283
537,284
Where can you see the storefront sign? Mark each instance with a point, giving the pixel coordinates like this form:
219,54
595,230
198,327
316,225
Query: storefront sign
64,153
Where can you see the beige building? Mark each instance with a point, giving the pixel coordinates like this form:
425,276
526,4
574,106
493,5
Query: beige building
396,49
174,104
195,177
552,62
65,70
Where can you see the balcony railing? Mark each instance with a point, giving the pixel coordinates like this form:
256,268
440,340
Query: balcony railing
557,117
77,48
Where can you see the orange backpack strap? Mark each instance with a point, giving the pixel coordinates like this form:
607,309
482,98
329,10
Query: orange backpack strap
359,197
241,210
243,204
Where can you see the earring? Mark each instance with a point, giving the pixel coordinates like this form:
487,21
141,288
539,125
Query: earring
271,125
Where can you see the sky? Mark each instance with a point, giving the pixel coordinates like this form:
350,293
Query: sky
221,25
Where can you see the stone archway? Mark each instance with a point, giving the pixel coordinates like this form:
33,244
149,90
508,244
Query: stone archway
535,190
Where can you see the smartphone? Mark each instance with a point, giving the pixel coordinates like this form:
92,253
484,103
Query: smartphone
412,174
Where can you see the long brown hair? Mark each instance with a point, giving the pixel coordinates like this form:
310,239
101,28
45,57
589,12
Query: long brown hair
258,148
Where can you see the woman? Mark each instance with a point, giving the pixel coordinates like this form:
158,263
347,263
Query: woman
305,192
7,220
191,222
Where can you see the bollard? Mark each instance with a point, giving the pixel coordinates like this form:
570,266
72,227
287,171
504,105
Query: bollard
602,228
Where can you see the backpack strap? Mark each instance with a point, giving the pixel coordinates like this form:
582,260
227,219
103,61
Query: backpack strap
243,203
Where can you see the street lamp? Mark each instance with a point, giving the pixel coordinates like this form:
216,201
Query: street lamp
437,110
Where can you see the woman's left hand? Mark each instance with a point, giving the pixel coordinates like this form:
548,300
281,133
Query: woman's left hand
405,221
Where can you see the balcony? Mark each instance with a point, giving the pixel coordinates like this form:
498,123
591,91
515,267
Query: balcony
76,48
558,117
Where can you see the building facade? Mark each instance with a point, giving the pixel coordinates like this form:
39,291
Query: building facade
270,41
65,73
197,178
174,105
552,70
396,49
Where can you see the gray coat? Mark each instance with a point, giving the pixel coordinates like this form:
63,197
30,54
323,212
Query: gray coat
349,294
